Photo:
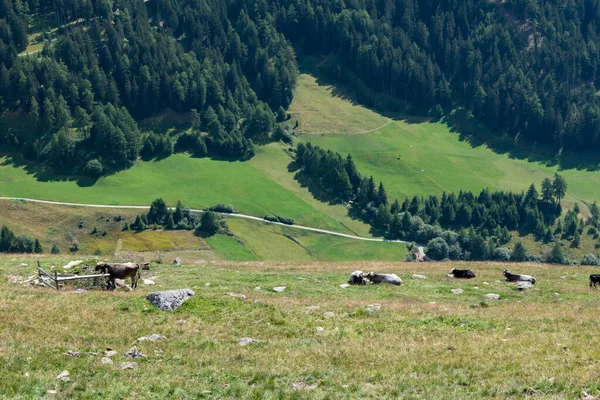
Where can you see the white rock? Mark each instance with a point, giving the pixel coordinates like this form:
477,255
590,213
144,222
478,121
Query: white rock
345,285
523,285
556,294
246,340
148,282
106,360
79,291
486,283
63,374
72,264
50,391
492,296
279,289
152,338
419,276
22,265
258,288
320,329
329,314
110,353
127,365
373,308
476,287
207,284
457,291
26,375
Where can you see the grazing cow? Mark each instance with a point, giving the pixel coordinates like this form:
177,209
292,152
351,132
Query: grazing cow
594,280
384,278
357,278
518,278
462,273
120,271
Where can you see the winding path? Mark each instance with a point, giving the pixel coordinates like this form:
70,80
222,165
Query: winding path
306,228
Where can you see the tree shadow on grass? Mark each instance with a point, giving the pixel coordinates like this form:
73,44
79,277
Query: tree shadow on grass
44,173
476,134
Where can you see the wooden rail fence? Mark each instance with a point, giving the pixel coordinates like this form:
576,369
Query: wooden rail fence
54,281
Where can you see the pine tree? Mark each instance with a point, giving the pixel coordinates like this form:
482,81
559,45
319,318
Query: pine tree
38,247
55,249
556,255
559,187
547,191
576,240
519,253
383,218
395,208
381,195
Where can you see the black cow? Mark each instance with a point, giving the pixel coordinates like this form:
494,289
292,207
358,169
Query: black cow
594,280
518,278
357,278
462,273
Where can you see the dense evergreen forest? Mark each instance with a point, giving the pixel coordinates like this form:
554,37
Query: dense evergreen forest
525,68
115,62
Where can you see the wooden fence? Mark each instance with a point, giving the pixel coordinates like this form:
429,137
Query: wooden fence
54,281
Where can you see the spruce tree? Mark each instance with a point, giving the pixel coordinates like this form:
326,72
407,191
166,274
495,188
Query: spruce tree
519,253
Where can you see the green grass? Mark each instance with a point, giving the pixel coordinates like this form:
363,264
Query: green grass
424,343
426,158
315,111
197,182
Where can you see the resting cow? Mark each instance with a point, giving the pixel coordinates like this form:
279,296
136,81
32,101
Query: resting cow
518,278
120,271
357,278
594,280
462,273
384,278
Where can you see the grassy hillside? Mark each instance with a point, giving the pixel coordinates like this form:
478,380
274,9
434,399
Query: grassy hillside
425,342
251,240
315,111
421,158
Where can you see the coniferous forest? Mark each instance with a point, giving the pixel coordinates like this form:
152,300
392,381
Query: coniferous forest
524,68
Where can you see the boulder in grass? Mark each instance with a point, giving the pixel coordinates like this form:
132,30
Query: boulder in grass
419,276
246,341
169,300
492,296
279,289
177,261
457,291
127,365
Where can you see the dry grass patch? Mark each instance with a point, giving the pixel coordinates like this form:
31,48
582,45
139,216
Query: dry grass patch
425,342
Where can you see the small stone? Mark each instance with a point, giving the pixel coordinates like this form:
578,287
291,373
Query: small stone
279,289
344,285
110,353
522,285
133,353
312,308
373,308
419,276
556,294
457,291
304,386
22,265
127,365
476,287
329,314
246,340
207,284
79,291
148,282
492,296
258,288
152,338
62,375
200,262
73,353
320,329
432,302
14,279
236,295
177,261
106,360
50,391
563,277
26,374
486,283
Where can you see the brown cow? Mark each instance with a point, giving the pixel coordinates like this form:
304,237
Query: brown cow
120,271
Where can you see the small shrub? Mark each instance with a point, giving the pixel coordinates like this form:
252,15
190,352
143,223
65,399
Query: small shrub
94,231
94,168
501,254
437,249
590,259
55,249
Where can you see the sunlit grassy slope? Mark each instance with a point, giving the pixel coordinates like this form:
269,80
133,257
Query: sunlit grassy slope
317,340
427,158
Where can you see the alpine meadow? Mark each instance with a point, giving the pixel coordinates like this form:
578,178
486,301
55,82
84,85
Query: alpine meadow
307,199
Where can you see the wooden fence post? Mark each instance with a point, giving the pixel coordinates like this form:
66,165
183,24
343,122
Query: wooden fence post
56,279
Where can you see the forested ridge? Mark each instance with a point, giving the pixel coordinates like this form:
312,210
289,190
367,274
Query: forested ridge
115,62
525,68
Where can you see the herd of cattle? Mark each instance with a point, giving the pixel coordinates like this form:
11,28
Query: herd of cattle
132,270
360,278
